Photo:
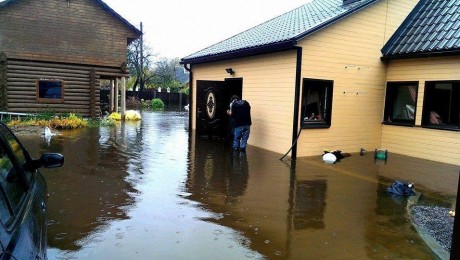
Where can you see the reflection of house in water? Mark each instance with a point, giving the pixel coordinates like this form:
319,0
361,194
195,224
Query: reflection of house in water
312,209
243,191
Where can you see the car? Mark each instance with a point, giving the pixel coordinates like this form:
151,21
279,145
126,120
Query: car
23,199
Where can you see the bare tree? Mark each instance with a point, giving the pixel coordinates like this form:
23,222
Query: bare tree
164,74
139,67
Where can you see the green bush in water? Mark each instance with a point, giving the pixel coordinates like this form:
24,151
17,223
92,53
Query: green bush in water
157,104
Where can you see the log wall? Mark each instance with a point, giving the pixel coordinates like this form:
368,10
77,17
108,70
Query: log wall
81,87
77,31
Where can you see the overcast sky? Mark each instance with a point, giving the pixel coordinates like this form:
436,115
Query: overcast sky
177,28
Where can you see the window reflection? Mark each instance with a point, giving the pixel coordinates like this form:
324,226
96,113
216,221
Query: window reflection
441,108
400,102
316,103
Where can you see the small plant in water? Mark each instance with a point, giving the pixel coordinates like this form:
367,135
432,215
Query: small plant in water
107,121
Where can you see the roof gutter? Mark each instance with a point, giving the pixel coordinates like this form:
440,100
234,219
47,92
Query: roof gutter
421,55
251,51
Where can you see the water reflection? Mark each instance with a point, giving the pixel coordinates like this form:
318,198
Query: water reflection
310,204
311,210
91,189
148,191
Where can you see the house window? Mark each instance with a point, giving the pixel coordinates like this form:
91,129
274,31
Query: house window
316,103
400,103
441,106
50,90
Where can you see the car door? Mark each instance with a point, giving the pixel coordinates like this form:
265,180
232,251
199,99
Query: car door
25,198
13,189
4,215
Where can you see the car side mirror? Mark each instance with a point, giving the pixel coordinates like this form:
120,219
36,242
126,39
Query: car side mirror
50,160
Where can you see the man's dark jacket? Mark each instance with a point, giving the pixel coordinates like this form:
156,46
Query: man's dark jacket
241,113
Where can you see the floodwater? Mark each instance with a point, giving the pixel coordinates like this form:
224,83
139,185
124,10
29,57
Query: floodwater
147,190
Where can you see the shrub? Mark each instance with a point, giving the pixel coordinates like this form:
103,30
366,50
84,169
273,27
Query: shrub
132,115
70,121
115,116
67,123
146,103
31,122
157,104
47,115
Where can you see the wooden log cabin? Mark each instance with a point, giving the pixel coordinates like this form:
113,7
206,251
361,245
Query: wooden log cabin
53,55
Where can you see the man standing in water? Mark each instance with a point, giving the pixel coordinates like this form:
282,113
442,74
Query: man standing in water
240,111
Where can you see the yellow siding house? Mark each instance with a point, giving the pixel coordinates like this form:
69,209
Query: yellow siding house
316,79
423,80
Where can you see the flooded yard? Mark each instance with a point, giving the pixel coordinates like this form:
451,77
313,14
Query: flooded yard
147,190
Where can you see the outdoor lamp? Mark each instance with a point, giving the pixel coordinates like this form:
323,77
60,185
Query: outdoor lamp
230,71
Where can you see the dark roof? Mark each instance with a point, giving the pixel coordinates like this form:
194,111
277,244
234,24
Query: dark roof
279,33
432,28
105,7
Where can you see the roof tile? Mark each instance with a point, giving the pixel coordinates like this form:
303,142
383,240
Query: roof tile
291,26
433,25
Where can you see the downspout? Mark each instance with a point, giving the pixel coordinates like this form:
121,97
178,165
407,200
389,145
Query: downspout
190,99
295,123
